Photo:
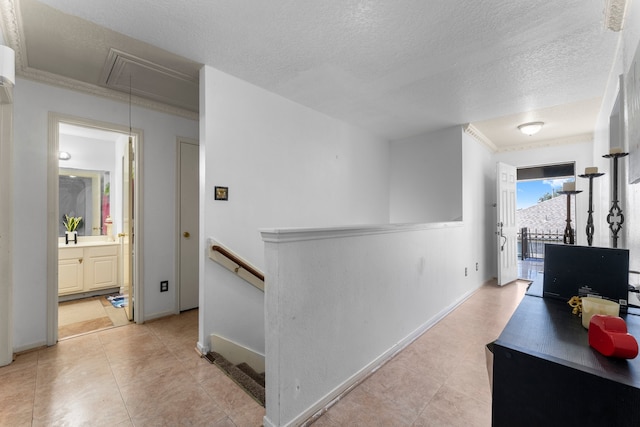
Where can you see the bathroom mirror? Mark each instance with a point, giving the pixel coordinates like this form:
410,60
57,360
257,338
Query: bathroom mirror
84,193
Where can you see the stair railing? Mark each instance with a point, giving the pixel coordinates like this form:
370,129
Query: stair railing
233,262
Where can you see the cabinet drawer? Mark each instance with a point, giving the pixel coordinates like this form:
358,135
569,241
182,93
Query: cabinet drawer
70,253
97,251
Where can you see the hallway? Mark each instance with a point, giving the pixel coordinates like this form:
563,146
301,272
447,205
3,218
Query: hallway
150,375
135,375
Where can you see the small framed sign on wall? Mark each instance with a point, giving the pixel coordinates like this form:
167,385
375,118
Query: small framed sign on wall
221,193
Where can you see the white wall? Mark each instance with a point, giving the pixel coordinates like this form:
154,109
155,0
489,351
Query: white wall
88,153
580,153
32,103
479,212
426,178
630,193
341,301
285,166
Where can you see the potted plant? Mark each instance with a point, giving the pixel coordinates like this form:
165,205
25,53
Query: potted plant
71,223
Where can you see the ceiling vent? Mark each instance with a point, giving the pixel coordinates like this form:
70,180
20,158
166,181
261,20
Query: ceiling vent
128,73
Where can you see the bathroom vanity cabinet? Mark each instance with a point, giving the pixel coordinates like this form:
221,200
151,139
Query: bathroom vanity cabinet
87,268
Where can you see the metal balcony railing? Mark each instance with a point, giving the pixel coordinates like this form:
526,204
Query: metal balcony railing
531,241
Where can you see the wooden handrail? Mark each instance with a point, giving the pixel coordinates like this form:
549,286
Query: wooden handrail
241,263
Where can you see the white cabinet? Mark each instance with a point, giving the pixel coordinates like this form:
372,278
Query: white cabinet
70,271
86,269
102,267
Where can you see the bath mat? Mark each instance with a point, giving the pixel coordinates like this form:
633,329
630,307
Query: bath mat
118,301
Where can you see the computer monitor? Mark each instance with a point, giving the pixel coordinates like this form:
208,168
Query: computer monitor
571,270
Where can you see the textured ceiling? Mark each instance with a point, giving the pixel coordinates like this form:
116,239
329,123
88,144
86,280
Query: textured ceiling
395,68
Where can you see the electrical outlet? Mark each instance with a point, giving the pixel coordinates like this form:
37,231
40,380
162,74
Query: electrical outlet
465,272
476,266
164,286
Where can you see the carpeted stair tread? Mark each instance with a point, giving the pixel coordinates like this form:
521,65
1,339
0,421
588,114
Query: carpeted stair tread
257,377
254,388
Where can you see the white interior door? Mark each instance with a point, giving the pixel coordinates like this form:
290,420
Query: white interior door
507,239
189,233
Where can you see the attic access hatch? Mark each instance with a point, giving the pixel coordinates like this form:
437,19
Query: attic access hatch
125,72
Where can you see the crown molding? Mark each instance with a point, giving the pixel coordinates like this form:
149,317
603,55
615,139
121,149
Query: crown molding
479,136
14,38
12,29
87,88
574,139
614,14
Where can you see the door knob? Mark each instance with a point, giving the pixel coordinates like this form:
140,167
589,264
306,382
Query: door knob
186,234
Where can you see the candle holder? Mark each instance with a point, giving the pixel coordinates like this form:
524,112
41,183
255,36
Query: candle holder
569,237
615,217
590,228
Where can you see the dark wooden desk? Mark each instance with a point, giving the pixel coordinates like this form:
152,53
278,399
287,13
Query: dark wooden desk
545,373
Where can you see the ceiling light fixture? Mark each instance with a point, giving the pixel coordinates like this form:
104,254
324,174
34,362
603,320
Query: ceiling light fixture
63,155
531,128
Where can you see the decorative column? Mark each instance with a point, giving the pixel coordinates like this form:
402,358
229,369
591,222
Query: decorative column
615,217
590,173
569,188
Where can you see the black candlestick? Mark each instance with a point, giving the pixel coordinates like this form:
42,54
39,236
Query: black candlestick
590,228
615,217
568,237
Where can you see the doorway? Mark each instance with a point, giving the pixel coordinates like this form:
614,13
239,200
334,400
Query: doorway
541,213
188,218
94,274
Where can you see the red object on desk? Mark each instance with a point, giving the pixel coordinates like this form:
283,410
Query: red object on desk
608,335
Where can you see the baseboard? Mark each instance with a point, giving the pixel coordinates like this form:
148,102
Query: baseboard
236,353
202,349
29,348
71,297
159,315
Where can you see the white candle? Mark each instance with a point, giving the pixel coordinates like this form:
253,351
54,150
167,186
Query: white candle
590,170
569,186
615,150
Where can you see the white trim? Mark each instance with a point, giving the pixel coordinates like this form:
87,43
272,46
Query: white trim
479,136
6,233
614,12
202,349
301,234
574,139
159,315
30,347
52,215
237,353
52,230
180,140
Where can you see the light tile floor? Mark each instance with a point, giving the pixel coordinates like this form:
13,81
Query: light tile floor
87,315
150,375
441,379
135,375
